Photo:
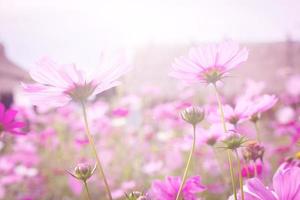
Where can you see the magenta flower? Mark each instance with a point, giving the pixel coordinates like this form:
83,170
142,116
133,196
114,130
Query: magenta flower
57,85
209,64
8,123
167,190
286,186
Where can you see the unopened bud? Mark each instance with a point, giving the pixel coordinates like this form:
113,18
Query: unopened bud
136,195
193,115
83,171
233,140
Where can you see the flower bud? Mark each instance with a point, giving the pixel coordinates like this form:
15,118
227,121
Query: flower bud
253,151
136,195
193,115
83,171
233,140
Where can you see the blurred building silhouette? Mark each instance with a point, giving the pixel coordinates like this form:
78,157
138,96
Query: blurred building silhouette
11,75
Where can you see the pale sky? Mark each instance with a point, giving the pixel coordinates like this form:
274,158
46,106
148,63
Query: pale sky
76,31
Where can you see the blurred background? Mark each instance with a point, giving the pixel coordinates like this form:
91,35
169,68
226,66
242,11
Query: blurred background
137,126
152,32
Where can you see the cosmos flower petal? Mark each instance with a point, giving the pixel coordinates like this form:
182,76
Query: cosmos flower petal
48,73
16,124
286,183
230,56
103,87
39,94
9,115
256,188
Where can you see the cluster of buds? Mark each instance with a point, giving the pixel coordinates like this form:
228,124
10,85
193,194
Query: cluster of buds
83,171
253,151
193,115
136,196
233,140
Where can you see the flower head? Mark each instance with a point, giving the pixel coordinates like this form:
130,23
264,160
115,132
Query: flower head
233,140
212,135
193,115
136,196
8,123
209,64
59,84
167,190
83,171
237,114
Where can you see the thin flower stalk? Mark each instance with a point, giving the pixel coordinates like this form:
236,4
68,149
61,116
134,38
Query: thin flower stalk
187,164
257,131
92,144
240,174
87,190
228,151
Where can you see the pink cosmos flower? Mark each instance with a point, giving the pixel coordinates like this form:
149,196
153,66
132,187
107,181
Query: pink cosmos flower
8,123
286,186
57,84
209,64
237,114
210,136
167,190
261,104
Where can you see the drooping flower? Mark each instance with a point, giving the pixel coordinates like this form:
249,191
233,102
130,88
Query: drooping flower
8,122
209,64
57,84
286,186
167,190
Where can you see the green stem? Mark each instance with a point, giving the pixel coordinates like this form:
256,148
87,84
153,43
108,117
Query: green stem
257,131
228,151
240,174
92,144
187,164
220,108
87,190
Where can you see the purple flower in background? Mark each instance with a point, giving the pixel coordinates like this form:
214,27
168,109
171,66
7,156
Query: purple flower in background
167,190
8,123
